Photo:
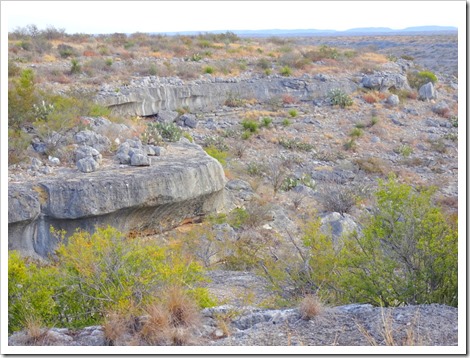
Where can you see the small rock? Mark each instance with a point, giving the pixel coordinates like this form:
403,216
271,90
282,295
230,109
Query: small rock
54,160
35,164
393,100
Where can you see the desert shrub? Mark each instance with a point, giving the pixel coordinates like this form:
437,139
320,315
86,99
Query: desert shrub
405,150
255,169
356,132
340,98
22,96
370,98
250,125
221,156
291,182
418,79
209,69
75,66
266,122
94,274
170,132
18,142
293,113
31,287
276,172
406,254
13,69
66,51
350,144
286,71
338,198
286,122
234,100
217,142
372,165
264,63
295,144
310,306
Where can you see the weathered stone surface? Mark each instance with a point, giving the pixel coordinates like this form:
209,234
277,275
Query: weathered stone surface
427,92
338,225
154,98
85,151
183,184
87,165
93,139
139,158
383,81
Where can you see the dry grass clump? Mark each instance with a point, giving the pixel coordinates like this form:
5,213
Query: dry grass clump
171,321
310,306
35,334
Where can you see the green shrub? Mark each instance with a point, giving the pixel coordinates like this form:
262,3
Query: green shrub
94,274
340,98
406,254
246,135
76,67
405,150
293,113
250,125
217,142
291,182
286,122
169,132
356,132
350,144
221,156
264,64
22,96
66,51
286,71
266,122
418,79
209,69
31,289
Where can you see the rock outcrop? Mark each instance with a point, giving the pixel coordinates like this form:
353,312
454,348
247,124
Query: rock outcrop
150,96
184,183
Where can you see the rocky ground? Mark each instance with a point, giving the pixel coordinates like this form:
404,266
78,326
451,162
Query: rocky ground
324,149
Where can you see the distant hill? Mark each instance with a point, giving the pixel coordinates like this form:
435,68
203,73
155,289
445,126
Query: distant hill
316,32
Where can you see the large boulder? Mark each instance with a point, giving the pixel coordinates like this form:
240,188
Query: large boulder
427,92
186,184
383,81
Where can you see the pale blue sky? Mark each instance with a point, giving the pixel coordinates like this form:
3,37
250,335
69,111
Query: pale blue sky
162,16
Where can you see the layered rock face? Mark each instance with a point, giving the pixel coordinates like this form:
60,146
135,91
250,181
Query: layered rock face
183,184
149,96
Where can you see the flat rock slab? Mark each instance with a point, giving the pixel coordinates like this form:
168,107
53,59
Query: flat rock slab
183,184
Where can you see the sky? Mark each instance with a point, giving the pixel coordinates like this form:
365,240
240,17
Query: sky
173,16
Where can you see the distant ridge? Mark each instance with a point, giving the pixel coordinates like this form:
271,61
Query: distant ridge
315,32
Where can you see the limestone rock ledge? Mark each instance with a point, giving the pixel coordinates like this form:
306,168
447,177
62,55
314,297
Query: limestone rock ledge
183,184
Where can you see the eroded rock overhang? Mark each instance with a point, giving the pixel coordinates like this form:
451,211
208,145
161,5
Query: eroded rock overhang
185,183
